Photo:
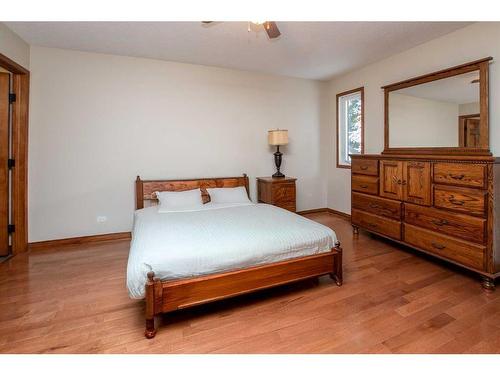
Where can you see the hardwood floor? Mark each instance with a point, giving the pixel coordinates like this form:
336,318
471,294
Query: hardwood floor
392,301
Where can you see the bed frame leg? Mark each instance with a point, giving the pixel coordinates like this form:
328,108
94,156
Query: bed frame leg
336,275
150,331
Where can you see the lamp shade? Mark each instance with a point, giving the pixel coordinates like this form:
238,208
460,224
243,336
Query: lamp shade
277,137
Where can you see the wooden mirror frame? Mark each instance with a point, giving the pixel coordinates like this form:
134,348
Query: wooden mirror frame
482,66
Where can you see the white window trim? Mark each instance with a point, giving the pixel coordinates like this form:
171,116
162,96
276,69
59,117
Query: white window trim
341,123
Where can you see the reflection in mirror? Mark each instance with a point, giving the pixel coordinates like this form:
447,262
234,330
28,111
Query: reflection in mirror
442,113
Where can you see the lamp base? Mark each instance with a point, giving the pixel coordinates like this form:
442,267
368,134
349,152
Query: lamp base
277,161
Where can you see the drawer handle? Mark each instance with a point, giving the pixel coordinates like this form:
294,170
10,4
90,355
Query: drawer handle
372,225
437,246
440,222
373,205
403,182
457,176
363,186
457,202
363,167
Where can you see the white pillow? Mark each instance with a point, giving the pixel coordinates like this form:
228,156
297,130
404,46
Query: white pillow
228,195
179,200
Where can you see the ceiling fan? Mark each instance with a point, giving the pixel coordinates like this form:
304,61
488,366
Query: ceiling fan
270,27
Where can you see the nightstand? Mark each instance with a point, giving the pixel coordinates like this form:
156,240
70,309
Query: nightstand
279,192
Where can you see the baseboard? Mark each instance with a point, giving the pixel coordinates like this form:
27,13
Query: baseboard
325,209
313,211
339,213
79,240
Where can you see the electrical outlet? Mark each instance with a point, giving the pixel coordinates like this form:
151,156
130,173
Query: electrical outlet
101,219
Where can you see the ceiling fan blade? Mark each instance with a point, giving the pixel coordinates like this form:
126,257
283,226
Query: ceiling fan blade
271,29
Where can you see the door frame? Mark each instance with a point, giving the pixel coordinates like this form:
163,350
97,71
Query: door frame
19,181
461,125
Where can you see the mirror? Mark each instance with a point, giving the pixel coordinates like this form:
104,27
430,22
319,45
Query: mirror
444,111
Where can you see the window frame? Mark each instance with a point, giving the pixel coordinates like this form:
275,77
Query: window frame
361,90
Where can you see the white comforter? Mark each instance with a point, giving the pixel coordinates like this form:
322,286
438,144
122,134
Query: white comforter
218,238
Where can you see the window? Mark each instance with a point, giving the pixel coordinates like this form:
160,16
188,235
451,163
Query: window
350,126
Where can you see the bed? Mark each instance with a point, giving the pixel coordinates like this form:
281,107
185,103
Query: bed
183,259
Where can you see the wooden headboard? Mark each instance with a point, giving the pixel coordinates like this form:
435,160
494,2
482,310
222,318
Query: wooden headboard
145,189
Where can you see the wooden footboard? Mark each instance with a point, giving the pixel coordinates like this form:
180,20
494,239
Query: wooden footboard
164,296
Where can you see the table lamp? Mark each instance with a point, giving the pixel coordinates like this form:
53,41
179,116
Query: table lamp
278,137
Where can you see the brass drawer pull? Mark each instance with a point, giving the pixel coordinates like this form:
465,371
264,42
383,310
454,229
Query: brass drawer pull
457,202
363,167
363,186
403,182
373,205
457,176
440,222
438,246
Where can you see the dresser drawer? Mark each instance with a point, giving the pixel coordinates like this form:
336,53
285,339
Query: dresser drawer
365,184
459,251
457,225
470,201
388,227
472,175
378,206
283,193
365,166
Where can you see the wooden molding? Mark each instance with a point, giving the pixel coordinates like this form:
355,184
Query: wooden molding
79,240
19,175
20,110
4,170
339,213
325,209
12,66
312,211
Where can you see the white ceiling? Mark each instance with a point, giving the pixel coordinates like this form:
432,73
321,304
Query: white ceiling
315,50
456,89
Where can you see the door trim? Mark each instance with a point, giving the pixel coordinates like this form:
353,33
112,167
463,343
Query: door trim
4,158
20,110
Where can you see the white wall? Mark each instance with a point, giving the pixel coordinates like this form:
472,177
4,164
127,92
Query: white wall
468,109
97,121
12,46
473,42
417,122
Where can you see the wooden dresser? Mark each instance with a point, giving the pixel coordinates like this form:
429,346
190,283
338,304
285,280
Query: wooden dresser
446,206
279,192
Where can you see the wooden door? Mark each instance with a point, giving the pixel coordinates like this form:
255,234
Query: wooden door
417,182
391,179
4,156
469,130
472,136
